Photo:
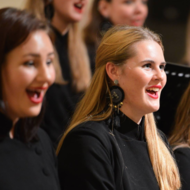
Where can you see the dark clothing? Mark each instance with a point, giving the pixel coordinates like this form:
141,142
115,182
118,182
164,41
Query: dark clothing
27,166
61,99
93,157
183,161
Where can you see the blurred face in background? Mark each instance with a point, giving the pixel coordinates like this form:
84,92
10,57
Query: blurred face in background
124,12
27,73
69,10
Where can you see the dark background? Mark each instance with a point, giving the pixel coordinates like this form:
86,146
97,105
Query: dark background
169,18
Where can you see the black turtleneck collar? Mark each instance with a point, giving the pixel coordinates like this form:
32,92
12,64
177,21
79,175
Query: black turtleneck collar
131,129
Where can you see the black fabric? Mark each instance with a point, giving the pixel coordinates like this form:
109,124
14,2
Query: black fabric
183,161
27,165
61,99
94,158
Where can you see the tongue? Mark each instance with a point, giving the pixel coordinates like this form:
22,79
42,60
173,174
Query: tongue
33,94
151,92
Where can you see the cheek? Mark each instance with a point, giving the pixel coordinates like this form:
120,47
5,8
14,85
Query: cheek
53,75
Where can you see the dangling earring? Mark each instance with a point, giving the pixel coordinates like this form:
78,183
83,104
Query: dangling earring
117,96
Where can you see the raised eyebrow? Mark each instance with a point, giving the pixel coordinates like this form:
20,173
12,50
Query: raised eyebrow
151,61
37,55
52,53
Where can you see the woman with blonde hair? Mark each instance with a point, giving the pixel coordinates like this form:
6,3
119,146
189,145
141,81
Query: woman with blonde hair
180,138
112,141
64,17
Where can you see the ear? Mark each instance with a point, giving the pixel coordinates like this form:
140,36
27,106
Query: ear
112,71
104,7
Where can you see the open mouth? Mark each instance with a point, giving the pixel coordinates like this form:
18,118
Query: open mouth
78,6
153,92
35,96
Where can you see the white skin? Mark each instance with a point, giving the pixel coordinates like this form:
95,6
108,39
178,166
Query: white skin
137,75
67,12
125,12
27,73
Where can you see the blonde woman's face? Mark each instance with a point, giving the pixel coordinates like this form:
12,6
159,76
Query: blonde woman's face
27,74
70,10
128,12
142,78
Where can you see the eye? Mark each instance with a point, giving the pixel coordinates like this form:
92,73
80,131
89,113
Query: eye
145,2
162,67
147,66
49,61
128,2
29,63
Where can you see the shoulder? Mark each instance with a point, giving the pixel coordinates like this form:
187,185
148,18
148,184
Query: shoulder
88,135
182,153
96,129
44,139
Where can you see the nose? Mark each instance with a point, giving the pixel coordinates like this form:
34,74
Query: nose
159,74
140,8
46,74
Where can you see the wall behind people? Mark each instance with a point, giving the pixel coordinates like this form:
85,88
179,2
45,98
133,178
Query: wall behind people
169,18
11,3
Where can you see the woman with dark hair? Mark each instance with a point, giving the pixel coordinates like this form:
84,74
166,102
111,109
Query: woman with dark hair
27,159
65,18
112,141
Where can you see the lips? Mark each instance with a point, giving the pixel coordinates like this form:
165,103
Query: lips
79,7
137,22
152,91
36,95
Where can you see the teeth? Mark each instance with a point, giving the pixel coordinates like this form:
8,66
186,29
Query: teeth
78,5
153,89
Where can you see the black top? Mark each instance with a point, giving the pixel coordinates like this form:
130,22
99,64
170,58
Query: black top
61,99
183,161
27,165
94,158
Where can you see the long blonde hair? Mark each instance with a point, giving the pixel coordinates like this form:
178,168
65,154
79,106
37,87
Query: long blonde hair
180,136
116,47
77,52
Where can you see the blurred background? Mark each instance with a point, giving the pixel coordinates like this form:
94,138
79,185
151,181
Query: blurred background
168,18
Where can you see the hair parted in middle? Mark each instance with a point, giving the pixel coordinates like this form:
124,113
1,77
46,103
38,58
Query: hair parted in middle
77,52
116,47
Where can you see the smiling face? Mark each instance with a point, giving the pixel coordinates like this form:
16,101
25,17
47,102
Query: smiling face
127,12
26,75
69,10
142,79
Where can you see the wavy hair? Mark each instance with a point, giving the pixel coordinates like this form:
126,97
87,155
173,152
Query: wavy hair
116,47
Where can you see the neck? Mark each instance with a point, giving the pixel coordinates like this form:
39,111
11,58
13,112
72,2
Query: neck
135,117
61,25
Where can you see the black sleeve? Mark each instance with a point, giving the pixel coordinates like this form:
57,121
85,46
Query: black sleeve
183,161
84,161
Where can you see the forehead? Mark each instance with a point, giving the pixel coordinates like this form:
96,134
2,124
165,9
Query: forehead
37,42
147,49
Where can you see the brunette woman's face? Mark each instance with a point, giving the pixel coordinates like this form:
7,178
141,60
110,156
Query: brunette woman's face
26,75
142,78
127,12
69,10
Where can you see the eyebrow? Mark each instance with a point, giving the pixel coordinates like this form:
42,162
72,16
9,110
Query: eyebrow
148,60
37,55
